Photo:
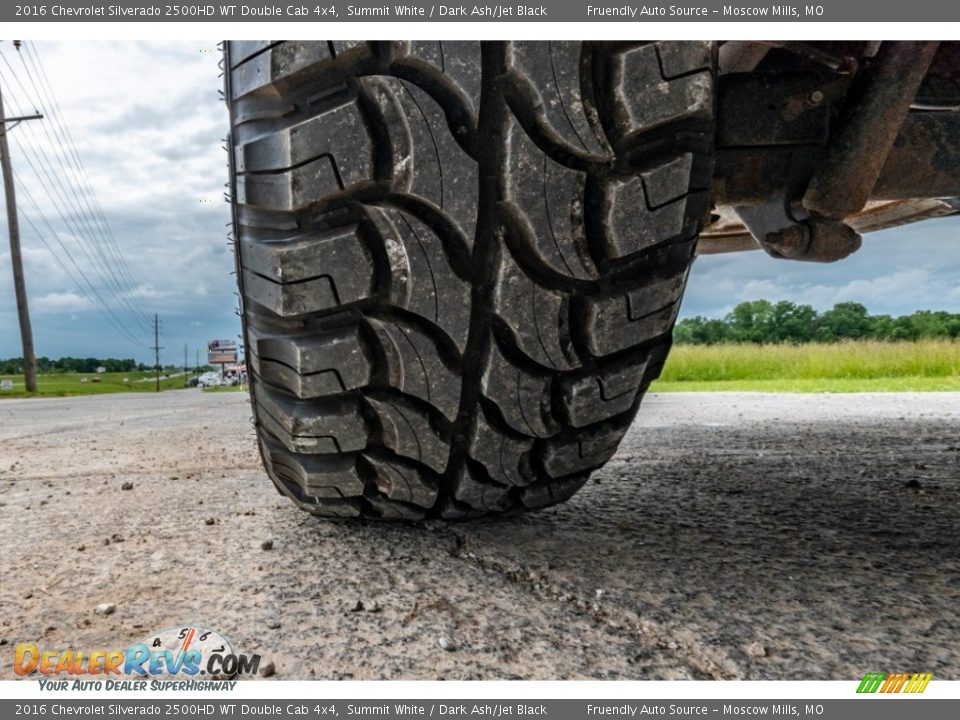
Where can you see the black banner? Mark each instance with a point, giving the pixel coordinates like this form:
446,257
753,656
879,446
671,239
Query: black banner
578,11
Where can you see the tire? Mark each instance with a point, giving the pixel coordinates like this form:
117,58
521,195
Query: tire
460,263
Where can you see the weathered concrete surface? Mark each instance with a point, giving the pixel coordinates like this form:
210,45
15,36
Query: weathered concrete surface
733,536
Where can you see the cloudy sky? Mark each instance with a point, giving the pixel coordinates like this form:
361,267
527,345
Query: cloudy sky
916,267
147,122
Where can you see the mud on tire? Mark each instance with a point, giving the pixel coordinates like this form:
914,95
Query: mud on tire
460,263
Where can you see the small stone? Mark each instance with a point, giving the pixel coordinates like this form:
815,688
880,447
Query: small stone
357,607
756,649
268,669
447,643
105,609
81,548
127,486
210,521
266,545
372,606
913,484
273,624
28,595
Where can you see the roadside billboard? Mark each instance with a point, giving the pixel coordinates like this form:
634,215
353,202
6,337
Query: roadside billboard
221,352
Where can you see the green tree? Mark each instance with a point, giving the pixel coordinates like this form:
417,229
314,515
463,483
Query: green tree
931,324
881,327
700,331
761,321
844,321
751,321
792,323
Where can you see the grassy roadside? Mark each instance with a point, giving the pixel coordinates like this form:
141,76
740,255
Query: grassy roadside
847,367
68,384
868,366
823,385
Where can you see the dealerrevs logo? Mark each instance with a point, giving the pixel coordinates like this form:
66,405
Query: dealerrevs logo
175,652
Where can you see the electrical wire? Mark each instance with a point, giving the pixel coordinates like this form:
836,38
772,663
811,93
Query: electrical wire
98,302
70,207
31,56
67,199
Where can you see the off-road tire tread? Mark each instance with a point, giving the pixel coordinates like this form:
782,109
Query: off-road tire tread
460,262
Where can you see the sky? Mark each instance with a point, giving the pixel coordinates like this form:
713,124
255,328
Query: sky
895,272
148,124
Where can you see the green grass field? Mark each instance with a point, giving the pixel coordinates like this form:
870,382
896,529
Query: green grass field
928,365
866,366
65,384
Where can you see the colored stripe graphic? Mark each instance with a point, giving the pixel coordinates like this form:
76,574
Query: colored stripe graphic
919,684
871,682
897,681
894,683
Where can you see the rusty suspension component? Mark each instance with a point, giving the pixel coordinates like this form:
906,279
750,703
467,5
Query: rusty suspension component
801,153
875,109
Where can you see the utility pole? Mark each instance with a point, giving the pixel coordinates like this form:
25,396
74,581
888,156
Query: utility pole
156,347
16,258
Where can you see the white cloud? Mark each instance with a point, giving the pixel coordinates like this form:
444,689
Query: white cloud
895,272
148,126
59,302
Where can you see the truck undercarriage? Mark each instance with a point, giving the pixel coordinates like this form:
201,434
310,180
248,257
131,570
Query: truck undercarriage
818,143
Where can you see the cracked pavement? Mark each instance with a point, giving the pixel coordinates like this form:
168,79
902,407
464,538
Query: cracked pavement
733,536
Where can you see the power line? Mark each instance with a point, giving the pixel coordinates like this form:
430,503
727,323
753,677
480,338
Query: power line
102,307
67,203
89,219
119,328
56,108
72,230
74,218
90,197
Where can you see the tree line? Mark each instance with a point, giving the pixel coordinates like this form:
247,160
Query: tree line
762,321
14,366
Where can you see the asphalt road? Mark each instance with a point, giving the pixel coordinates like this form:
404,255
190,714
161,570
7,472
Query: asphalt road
733,536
